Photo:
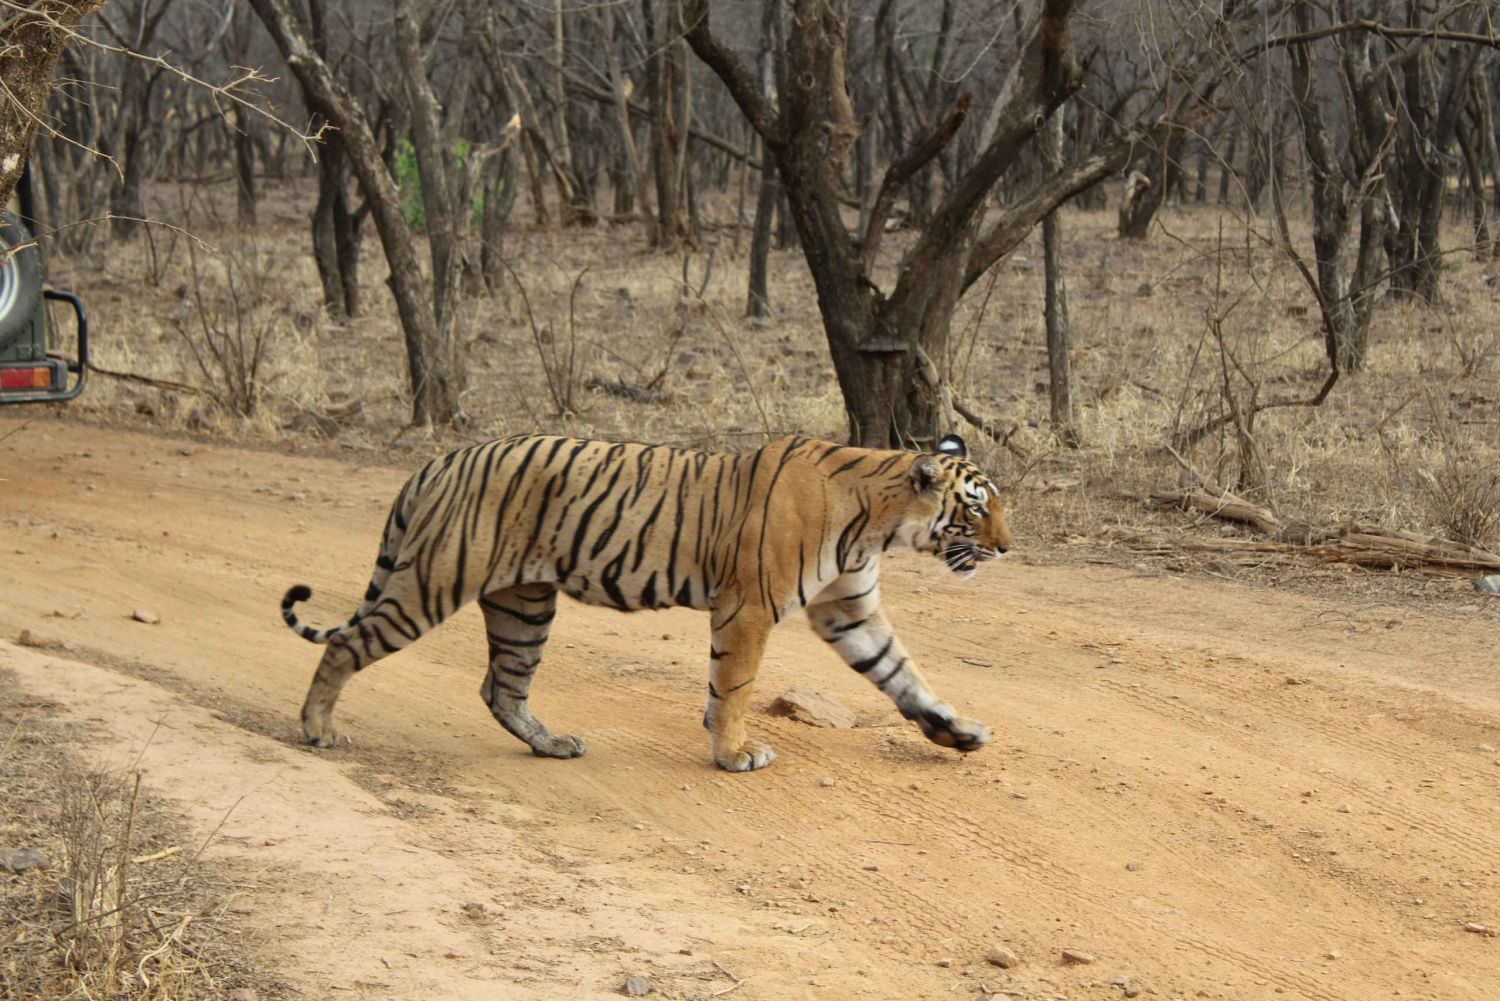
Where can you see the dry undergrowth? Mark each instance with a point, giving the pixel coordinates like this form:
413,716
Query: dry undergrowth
601,309
125,907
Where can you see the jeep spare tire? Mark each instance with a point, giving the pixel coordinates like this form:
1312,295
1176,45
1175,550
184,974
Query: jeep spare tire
20,279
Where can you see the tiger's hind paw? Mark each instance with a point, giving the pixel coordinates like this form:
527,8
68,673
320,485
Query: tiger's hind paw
752,755
956,732
560,745
322,737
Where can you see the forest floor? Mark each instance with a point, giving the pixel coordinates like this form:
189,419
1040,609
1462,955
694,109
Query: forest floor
1214,788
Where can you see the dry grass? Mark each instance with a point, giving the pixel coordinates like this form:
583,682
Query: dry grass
1146,367
125,909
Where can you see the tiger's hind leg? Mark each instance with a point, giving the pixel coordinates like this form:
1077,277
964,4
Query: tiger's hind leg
394,622
517,620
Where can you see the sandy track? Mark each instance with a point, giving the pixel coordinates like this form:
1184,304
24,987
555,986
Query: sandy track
1351,815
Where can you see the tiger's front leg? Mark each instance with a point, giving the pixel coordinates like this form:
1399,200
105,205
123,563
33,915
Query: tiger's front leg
739,637
847,615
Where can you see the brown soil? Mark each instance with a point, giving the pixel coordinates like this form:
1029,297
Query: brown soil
1308,790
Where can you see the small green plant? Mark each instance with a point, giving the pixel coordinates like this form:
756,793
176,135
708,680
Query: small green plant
409,178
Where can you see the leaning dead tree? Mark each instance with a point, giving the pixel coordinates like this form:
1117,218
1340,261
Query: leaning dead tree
884,342
32,40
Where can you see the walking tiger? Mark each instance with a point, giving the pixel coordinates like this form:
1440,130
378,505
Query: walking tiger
749,537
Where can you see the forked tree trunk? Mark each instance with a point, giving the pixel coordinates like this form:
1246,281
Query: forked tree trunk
1332,196
885,349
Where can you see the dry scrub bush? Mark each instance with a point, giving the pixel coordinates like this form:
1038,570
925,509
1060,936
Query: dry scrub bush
1462,490
232,319
112,917
1454,479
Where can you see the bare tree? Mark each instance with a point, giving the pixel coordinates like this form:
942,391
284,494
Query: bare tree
434,365
883,344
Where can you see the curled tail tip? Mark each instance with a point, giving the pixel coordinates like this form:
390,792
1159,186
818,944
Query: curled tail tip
298,592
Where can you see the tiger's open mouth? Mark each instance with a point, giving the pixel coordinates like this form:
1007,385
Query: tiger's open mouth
961,558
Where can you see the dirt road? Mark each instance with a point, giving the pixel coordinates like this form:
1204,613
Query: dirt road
1215,791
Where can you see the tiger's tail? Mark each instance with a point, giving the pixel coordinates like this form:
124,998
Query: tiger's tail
301,592
385,563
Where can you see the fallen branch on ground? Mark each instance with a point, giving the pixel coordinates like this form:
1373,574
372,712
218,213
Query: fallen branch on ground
1226,505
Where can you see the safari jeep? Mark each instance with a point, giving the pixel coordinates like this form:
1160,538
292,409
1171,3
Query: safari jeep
29,372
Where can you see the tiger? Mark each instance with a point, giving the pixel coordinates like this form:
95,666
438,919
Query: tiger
749,537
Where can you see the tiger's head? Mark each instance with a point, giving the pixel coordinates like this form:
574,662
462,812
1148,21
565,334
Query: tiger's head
956,513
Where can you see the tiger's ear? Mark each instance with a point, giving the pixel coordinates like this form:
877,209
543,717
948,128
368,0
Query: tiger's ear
952,444
924,474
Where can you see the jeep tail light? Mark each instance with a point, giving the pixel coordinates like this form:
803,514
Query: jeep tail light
26,378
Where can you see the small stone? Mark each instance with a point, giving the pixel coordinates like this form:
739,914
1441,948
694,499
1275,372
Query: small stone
1488,585
636,987
1468,609
1333,954
1133,866
22,859
813,708
41,641
1117,660
1223,567
1002,957
1486,748
244,994
1132,990
1018,795
1403,716
1073,956
146,616
827,783
186,450
1477,929
945,962
1344,808
872,867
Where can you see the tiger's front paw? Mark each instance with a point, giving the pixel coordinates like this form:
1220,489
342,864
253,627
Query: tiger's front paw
956,732
752,754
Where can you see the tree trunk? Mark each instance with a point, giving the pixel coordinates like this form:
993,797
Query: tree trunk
663,153
244,168
332,171
498,203
758,300
1059,364
1226,169
1471,145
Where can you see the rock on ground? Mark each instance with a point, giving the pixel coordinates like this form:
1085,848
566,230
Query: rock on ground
813,708
1002,957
